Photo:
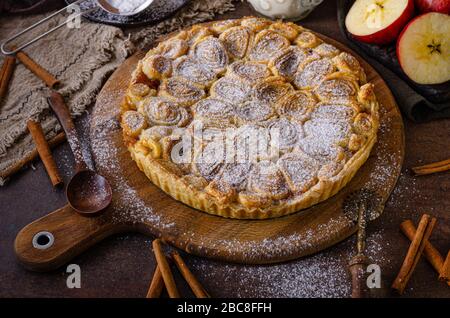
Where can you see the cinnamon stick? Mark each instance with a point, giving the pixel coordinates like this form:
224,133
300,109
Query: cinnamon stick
445,270
58,139
432,168
38,70
415,250
164,267
431,253
5,74
44,152
195,285
157,284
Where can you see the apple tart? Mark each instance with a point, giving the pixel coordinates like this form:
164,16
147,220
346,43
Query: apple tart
249,118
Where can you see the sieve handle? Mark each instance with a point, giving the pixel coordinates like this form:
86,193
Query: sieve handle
18,48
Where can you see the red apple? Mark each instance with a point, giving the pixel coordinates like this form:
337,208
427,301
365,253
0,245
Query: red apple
423,48
442,6
378,21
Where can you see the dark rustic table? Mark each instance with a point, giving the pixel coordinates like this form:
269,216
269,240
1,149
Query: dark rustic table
122,266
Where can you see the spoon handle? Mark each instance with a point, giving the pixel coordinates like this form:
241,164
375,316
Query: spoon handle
58,105
358,265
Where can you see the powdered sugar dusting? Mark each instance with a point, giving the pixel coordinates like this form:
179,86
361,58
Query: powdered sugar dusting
211,54
333,113
128,6
385,157
128,207
335,90
268,45
290,132
322,275
254,111
236,41
313,73
214,108
133,120
192,71
288,62
275,247
301,170
236,174
249,71
327,50
230,90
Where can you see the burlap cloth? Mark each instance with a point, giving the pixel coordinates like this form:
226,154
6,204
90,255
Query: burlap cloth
82,59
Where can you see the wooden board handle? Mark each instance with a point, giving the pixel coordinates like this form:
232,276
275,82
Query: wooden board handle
54,239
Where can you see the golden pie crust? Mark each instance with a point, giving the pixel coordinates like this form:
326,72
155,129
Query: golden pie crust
244,74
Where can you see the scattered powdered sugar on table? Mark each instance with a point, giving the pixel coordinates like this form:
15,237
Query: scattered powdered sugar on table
320,275
128,206
406,188
384,170
316,276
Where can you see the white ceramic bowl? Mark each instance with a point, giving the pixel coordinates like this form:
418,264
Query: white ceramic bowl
285,9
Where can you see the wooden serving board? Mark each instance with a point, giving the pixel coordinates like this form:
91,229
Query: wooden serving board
139,206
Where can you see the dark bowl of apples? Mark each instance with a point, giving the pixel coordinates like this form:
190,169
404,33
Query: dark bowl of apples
410,37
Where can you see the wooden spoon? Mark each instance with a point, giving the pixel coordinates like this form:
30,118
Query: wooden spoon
87,192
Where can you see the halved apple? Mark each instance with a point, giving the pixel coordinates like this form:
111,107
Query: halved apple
378,21
423,48
442,6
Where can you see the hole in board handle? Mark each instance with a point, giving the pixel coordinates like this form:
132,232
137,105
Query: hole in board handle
43,240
